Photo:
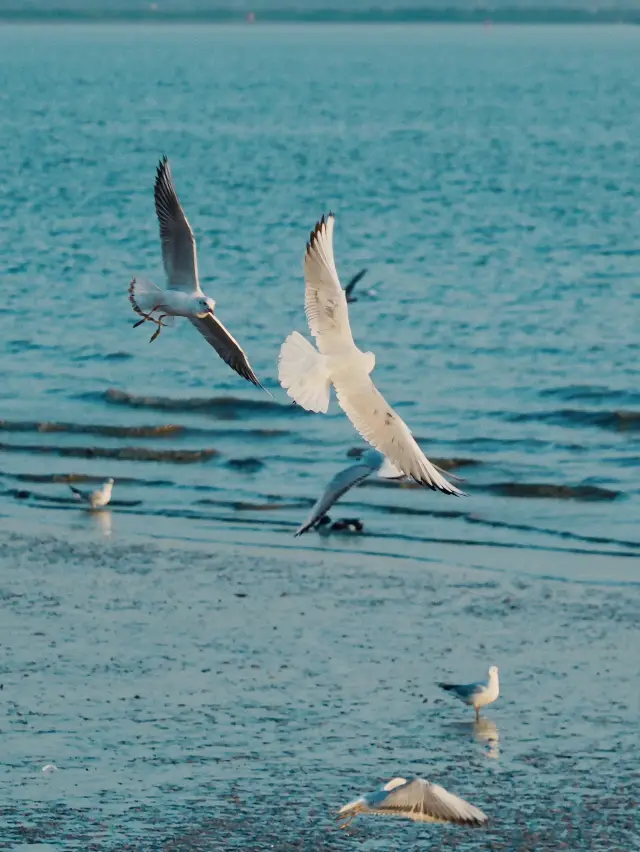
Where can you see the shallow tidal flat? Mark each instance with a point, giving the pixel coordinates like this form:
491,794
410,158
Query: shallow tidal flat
232,699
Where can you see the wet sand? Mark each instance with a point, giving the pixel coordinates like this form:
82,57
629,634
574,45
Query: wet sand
227,697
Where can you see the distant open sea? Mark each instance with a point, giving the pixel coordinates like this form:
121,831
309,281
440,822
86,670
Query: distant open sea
487,178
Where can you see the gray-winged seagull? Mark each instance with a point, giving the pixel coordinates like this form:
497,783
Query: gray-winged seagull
371,462
96,499
184,298
415,799
478,694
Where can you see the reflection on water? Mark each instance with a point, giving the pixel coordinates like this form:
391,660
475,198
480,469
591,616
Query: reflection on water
486,731
102,519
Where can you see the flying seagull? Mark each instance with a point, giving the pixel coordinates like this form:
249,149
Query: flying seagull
96,499
371,462
307,373
348,290
476,695
184,298
415,799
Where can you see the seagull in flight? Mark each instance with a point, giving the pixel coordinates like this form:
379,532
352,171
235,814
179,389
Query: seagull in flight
415,799
184,298
307,373
371,462
348,290
97,499
476,695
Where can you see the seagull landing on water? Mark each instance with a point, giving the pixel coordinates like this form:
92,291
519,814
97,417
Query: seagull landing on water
415,799
307,373
476,695
371,462
184,298
348,525
97,499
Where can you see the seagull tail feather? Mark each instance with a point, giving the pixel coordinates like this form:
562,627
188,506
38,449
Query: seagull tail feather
303,374
144,295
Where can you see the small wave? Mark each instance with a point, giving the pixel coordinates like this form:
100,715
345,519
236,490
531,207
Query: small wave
42,478
99,356
121,454
589,393
617,420
502,443
390,483
548,491
248,506
23,494
449,463
454,462
250,465
222,407
168,430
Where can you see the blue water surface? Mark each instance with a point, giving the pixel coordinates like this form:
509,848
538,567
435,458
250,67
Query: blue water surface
488,179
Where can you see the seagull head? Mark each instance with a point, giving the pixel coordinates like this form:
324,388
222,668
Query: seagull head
493,671
205,307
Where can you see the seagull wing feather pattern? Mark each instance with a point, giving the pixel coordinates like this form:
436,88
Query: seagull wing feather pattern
379,424
82,495
178,243
426,802
325,302
415,799
226,346
303,373
339,485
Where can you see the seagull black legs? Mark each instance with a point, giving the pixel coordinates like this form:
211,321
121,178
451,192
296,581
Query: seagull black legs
157,321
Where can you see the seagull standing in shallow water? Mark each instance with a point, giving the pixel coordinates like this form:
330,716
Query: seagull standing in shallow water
415,799
184,298
97,499
476,695
307,373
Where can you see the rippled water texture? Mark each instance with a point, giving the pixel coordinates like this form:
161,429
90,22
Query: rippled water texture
202,679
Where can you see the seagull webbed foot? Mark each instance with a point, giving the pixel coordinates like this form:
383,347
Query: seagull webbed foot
160,325
155,320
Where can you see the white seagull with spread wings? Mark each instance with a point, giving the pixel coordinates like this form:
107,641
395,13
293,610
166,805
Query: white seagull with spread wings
307,374
415,799
184,298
